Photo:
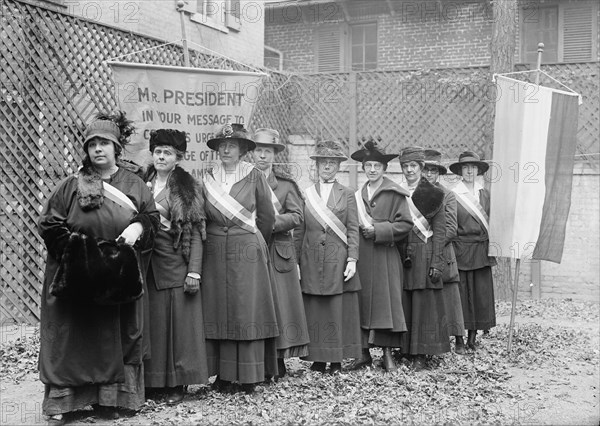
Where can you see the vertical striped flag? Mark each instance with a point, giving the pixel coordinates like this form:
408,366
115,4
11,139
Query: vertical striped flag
535,136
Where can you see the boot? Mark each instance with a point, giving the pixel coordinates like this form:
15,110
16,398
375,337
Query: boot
418,362
471,339
335,368
388,360
459,347
281,370
318,366
175,395
364,361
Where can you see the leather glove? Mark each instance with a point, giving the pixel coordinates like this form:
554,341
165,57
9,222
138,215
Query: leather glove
131,234
435,275
368,233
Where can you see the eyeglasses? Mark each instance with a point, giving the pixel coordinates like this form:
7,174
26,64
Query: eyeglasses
373,166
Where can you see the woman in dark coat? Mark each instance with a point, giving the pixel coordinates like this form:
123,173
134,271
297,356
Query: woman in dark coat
327,248
91,347
471,246
176,326
384,220
424,261
456,325
238,290
289,214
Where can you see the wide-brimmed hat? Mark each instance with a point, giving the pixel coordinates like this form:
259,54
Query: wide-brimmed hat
170,137
433,158
469,157
268,137
372,152
412,153
329,149
101,129
233,131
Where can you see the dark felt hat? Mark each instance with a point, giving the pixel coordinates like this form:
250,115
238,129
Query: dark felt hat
412,153
329,149
101,129
469,157
270,138
372,152
170,137
433,158
230,132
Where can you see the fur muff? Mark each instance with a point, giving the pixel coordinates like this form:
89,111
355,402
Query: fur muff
89,189
97,271
428,198
187,207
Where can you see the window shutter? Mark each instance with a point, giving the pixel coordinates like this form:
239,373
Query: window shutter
329,48
579,32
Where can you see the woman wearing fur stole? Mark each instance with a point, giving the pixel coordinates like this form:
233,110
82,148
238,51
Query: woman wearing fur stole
95,225
176,327
424,262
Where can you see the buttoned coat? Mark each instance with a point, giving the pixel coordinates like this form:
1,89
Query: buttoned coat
380,266
450,272
322,255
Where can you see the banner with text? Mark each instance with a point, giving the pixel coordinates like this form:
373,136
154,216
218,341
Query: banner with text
196,101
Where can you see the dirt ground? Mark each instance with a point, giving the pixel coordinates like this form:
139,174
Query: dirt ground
551,377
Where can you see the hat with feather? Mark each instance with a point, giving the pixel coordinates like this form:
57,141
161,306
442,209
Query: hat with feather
372,152
329,149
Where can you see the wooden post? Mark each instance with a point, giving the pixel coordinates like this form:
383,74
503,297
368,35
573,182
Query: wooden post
353,118
536,279
515,288
540,51
186,53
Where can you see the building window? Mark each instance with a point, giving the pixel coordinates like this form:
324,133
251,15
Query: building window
569,31
363,47
211,13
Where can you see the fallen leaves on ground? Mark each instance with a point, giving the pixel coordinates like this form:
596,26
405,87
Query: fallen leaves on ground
474,388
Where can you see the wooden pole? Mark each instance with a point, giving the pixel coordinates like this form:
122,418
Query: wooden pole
186,53
353,125
514,303
540,51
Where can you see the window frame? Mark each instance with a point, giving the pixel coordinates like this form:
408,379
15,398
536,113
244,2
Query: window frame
224,20
349,45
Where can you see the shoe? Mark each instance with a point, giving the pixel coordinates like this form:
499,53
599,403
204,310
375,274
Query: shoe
221,385
459,346
108,413
318,366
249,388
56,420
471,337
175,395
364,361
335,368
486,333
418,363
388,360
281,370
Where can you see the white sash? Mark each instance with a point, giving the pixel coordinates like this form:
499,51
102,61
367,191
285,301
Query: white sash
472,205
365,219
321,212
421,226
228,205
276,204
118,197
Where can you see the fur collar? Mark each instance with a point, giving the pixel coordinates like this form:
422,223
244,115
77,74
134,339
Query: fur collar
89,189
428,198
186,204
283,175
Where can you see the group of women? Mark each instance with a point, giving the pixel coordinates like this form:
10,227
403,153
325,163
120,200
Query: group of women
156,280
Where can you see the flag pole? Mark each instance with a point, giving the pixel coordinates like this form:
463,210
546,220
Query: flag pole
540,51
515,290
186,53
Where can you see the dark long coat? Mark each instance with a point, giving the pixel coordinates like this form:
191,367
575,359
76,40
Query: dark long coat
85,344
380,266
292,318
323,256
450,272
238,292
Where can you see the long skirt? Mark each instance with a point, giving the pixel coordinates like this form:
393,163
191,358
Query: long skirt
477,296
454,310
427,323
334,327
176,332
243,361
130,394
381,338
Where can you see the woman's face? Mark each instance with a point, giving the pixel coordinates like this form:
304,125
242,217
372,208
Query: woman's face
102,153
264,156
469,172
229,152
328,168
412,171
165,158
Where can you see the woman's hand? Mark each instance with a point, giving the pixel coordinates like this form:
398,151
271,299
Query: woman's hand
350,270
132,233
192,284
368,233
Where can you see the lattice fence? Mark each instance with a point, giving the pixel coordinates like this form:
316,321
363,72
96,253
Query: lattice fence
53,81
